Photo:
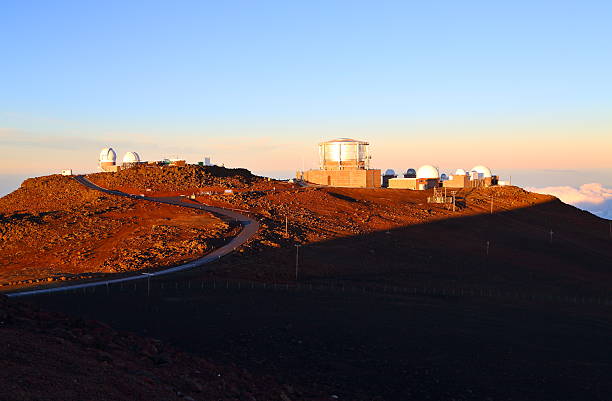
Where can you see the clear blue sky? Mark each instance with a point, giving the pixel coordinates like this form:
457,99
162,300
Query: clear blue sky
191,75
140,64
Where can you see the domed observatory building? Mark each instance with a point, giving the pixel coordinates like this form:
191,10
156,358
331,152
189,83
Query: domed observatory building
478,176
389,174
425,177
343,162
410,173
130,159
481,176
107,161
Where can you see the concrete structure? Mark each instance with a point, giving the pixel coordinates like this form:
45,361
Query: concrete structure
457,181
479,176
403,183
414,183
358,178
67,172
107,160
343,162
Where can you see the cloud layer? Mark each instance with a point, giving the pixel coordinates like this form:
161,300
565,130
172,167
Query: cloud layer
593,197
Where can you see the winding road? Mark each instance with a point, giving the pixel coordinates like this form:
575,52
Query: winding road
249,228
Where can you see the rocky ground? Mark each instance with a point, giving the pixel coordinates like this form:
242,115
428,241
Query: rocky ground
54,229
173,178
51,356
537,329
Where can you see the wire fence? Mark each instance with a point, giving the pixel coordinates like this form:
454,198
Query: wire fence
187,288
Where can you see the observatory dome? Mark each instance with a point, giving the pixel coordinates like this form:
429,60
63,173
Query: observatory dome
486,173
410,173
108,155
131,157
427,171
390,172
460,171
344,153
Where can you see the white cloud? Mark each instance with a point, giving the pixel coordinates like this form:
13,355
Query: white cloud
593,197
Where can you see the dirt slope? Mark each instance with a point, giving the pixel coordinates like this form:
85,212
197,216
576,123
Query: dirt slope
54,229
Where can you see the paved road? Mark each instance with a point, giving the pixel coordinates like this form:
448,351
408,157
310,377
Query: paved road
249,228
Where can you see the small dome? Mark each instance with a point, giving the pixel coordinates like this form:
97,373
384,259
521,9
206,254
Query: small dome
131,157
443,176
108,155
390,172
410,173
486,173
427,171
460,171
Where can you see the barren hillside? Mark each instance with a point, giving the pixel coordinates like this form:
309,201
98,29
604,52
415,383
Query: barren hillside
54,229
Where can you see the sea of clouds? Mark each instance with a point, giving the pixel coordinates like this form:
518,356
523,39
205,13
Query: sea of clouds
593,197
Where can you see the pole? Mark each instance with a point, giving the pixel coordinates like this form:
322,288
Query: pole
551,236
297,258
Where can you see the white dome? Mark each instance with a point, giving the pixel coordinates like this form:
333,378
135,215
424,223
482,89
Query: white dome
486,173
427,171
390,172
460,171
131,157
107,155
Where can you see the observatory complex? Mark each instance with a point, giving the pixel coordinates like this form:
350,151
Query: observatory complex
428,176
343,162
107,161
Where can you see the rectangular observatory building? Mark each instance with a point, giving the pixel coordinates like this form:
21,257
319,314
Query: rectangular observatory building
343,162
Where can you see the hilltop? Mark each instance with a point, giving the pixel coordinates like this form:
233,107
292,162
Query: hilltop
382,236
504,297
54,229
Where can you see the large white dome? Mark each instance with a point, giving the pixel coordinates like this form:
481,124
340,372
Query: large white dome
460,171
427,171
108,155
131,157
486,173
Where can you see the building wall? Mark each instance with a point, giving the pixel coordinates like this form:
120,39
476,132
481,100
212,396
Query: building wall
457,181
109,167
343,178
403,183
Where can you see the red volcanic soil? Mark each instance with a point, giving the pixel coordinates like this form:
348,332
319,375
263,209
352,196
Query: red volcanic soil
54,229
384,236
395,298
